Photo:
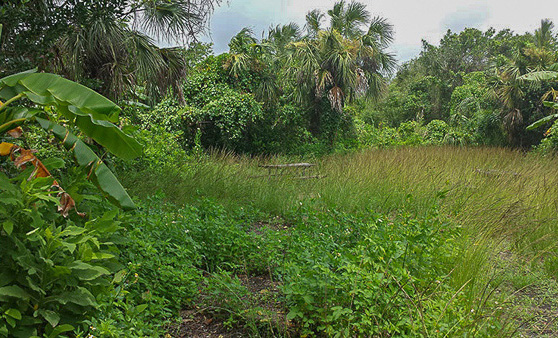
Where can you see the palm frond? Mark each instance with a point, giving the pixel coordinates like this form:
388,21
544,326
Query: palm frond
175,20
355,17
380,30
313,22
336,98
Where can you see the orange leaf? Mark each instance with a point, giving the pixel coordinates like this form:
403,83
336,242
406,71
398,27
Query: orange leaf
16,132
67,203
6,148
25,157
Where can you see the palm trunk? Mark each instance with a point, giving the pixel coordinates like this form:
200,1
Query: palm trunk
316,118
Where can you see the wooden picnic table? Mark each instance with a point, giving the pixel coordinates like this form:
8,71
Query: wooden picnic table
288,165
279,169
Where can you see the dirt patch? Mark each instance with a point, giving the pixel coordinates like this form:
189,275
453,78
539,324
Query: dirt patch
265,310
259,228
199,324
540,312
267,296
534,307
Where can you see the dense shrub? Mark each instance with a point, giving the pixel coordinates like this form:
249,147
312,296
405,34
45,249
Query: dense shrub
53,269
436,131
549,145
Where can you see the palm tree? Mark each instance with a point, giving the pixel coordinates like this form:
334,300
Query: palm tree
281,35
342,62
242,52
247,54
535,63
111,44
544,36
507,89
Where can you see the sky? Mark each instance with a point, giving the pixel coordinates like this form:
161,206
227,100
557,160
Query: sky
413,20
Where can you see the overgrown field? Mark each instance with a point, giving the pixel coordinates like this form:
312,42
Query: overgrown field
410,241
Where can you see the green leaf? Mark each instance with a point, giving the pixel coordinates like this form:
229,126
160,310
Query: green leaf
5,184
14,313
543,75
8,227
542,121
72,231
86,271
81,296
102,255
119,276
109,136
51,317
94,114
140,308
550,104
101,176
43,88
54,163
13,117
60,329
14,291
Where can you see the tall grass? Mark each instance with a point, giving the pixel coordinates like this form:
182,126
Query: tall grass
504,193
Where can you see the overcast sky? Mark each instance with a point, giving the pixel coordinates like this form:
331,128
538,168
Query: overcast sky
413,20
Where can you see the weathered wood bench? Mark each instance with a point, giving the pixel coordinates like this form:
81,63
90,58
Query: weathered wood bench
495,172
283,170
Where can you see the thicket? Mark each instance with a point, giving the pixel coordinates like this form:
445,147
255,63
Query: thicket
475,88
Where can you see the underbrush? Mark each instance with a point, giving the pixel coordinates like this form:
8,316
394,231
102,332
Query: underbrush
502,200
331,272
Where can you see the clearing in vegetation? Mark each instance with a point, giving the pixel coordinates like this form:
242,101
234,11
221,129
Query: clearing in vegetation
438,241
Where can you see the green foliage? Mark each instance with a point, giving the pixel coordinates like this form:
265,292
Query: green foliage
347,275
224,115
230,117
436,130
81,39
52,269
83,108
549,145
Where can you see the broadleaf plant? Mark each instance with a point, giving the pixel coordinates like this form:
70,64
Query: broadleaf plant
90,112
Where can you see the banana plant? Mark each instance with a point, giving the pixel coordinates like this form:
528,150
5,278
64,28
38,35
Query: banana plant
43,98
545,119
545,75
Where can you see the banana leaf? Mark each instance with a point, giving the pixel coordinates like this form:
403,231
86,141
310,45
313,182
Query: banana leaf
543,75
11,118
100,174
546,119
94,114
542,121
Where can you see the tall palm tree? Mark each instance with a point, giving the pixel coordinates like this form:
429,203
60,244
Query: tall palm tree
342,62
507,89
544,36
